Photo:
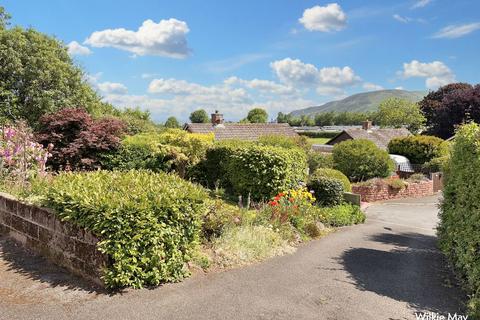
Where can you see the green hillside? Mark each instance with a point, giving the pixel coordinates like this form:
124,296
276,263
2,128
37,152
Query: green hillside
366,101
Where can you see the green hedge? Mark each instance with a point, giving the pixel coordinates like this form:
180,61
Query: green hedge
361,160
319,134
327,191
418,149
149,223
459,228
318,160
263,171
335,174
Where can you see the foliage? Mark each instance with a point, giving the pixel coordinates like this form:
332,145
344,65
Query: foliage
171,150
332,118
395,112
21,158
327,191
417,177
172,123
149,223
418,149
449,107
136,120
459,228
37,76
319,134
436,164
249,243
263,171
277,140
332,173
291,206
361,160
199,116
257,115
78,140
397,184
342,215
318,160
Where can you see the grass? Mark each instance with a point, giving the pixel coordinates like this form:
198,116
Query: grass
318,140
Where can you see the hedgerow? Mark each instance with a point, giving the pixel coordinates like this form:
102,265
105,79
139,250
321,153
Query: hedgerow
459,228
148,223
335,174
418,149
327,191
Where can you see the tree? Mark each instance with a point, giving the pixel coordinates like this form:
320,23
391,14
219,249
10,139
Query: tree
282,117
37,76
78,140
449,107
397,113
199,116
257,115
172,122
4,18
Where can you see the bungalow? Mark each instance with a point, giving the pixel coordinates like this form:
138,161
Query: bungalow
242,131
381,137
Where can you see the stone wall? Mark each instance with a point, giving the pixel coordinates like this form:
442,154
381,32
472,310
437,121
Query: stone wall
385,192
61,242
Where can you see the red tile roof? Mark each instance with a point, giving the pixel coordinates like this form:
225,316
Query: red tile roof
242,131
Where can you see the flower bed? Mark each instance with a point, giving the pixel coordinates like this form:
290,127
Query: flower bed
380,190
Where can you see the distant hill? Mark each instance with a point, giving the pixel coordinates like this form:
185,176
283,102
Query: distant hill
366,101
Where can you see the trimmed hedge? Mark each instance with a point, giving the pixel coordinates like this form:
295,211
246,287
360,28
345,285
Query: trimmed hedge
327,191
459,228
149,223
335,174
319,160
361,160
418,149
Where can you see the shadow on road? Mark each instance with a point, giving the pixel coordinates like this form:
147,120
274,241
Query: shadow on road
411,269
19,260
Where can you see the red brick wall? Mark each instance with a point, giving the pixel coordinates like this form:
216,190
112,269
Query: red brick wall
61,242
385,192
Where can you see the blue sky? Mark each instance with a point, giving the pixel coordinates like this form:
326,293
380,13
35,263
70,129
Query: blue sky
173,57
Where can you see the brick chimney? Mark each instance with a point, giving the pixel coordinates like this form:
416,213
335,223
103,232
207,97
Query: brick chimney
367,125
217,118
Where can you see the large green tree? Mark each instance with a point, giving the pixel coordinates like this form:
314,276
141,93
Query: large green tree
199,116
257,115
397,113
172,122
37,76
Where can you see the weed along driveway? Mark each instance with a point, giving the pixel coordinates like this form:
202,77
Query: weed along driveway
388,268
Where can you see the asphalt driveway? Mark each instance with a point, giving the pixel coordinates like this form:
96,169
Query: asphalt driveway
388,268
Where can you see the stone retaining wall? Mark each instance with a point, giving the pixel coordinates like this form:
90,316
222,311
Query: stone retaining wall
61,242
385,192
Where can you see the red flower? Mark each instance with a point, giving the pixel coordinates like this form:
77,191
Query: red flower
291,200
273,203
277,198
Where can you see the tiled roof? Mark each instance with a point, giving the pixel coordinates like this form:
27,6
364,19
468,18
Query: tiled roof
381,137
242,131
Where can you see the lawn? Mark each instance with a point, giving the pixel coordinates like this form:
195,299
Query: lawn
318,140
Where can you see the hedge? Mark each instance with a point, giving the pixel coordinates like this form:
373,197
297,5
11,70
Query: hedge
418,149
327,191
319,160
149,223
361,160
459,228
335,174
319,134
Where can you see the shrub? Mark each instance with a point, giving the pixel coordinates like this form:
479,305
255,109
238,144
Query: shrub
361,160
418,149
21,158
78,140
171,150
319,160
436,164
335,174
459,228
417,177
263,171
397,184
327,191
285,142
342,215
148,223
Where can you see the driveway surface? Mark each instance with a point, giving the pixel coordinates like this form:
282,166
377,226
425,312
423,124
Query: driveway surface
388,268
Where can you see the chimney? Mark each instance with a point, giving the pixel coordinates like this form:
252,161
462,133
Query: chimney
367,125
217,118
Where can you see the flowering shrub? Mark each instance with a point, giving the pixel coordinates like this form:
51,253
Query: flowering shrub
21,158
290,204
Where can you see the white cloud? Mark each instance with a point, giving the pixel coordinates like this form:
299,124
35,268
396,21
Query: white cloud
165,38
457,31
76,49
372,86
399,88
294,71
264,86
112,87
436,73
324,19
401,18
421,4
339,77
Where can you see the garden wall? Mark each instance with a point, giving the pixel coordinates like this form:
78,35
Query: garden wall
385,192
61,242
